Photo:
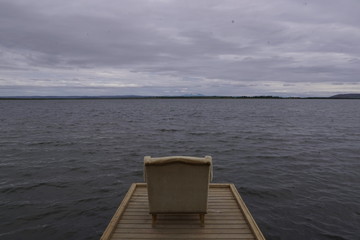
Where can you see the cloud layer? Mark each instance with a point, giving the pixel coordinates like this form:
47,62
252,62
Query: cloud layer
164,47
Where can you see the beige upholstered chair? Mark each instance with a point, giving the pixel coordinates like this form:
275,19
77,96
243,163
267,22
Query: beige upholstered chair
178,185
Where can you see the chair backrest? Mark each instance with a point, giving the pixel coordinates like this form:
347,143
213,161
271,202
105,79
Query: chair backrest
178,184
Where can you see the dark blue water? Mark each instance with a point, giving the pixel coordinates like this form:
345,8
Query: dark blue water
66,164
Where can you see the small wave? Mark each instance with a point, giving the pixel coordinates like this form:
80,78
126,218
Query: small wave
168,130
87,200
15,232
262,193
198,133
27,187
54,143
333,236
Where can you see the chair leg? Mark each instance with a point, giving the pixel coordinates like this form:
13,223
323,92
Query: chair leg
202,219
154,217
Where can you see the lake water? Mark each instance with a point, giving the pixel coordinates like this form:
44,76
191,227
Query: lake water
65,165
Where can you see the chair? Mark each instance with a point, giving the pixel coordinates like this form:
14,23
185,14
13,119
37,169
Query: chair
178,185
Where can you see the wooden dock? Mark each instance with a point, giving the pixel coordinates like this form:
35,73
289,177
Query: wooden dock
227,218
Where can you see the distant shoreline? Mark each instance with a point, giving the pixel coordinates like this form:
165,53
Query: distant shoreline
339,96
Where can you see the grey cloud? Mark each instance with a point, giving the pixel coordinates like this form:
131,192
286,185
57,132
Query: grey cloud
229,41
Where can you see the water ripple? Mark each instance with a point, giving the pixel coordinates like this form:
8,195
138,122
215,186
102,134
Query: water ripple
65,165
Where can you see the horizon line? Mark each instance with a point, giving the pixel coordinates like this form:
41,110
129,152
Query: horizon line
130,96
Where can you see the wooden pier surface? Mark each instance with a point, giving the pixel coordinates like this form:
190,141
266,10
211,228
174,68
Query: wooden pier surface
227,218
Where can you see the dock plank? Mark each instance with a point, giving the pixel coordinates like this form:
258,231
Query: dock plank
227,218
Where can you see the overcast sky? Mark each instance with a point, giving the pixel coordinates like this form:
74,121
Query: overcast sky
165,47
